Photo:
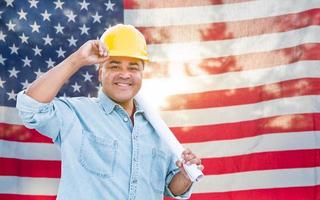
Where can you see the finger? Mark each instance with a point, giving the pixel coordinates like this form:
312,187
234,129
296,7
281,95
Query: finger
196,161
102,49
200,167
185,153
179,164
102,59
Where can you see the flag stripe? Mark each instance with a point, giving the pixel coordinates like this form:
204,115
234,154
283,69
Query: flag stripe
258,161
230,30
227,131
40,168
208,49
214,13
142,4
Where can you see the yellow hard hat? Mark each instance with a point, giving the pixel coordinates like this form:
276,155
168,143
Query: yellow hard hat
125,40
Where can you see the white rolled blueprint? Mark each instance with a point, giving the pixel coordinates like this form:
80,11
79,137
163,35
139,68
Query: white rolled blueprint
160,126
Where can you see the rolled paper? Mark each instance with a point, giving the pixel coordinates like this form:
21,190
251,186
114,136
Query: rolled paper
166,134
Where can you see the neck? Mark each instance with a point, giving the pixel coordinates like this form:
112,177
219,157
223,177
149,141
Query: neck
128,106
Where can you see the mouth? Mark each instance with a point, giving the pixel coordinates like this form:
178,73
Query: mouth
123,85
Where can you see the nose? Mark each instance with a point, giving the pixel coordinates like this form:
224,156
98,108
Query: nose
124,73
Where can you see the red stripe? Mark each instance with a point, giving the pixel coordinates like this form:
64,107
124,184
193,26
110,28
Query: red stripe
143,4
292,193
277,124
238,62
30,168
25,197
262,161
20,133
231,30
222,98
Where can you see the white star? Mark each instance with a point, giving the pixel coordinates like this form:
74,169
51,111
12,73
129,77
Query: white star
71,16
76,87
87,77
84,29
14,49
33,3
10,25
37,51
99,86
72,41
47,40
39,73
46,15
50,63
24,39
1,82
96,18
9,3
12,95
2,36
13,72
25,84
2,59
58,4
35,27
84,5
109,5
1,14
22,15
26,62
60,52
59,28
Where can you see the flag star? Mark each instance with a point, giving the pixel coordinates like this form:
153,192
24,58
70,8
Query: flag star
2,36
72,41
33,3
89,95
39,73
10,25
1,82
47,40
35,27
84,29
71,16
1,14
25,84
12,95
14,49
46,15
59,28
109,5
60,52
96,18
9,3
58,4
84,5
2,59
50,63
22,15
64,95
26,62
24,39
37,51
99,86
13,72
87,77
76,87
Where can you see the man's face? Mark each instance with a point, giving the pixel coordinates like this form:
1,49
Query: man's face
121,78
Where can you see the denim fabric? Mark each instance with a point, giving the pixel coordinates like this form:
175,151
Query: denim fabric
103,155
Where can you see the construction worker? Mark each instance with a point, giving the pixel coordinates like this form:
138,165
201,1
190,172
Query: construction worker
108,148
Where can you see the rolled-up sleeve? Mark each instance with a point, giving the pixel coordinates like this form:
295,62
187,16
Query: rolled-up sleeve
47,118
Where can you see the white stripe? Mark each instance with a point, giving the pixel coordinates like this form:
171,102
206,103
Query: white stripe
28,186
276,107
262,143
215,13
9,115
281,178
29,151
232,80
210,49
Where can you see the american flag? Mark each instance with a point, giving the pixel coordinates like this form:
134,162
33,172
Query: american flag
237,81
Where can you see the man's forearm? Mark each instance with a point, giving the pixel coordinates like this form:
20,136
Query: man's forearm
179,184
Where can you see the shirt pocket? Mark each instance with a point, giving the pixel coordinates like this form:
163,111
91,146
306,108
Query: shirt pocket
158,170
98,155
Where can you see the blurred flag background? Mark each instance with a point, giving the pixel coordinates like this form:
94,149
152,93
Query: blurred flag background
237,81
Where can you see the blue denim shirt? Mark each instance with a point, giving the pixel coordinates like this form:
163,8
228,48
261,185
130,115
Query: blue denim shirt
103,155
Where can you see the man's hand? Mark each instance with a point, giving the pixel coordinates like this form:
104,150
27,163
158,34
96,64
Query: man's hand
91,52
189,158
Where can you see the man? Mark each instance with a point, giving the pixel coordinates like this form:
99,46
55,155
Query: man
108,148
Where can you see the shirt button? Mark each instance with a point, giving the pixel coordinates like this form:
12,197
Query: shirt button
125,119
135,137
134,181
